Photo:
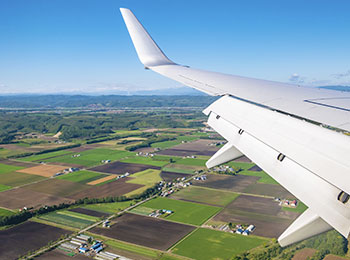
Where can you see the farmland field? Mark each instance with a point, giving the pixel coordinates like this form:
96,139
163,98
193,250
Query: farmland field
185,212
82,176
15,242
43,156
44,170
91,157
145,161
204,195
103,180
21,197
169,176
110,207
265,213
89,212
146,177
273,190
4,168
114,188
5,212
145,231
57,187
67,220
212,244
15,179
122,168
191,161
236,183
4,187
138,250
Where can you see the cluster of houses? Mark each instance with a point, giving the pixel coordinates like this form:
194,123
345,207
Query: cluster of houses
190,157
223,169
105,161
217,143
122,176
68,170
82,244
287,203
170,187
201,178
144,154
245,232
160,212
106,224
76,155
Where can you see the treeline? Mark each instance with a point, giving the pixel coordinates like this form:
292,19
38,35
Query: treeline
90,125
27,214
327,243
106,101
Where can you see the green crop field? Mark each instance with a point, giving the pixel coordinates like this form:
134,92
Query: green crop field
78,215
191,161
5,212
5,153
110,207
66,220
15,179
240,165
4,187
204,195
145,160
81,176
43,156
185,212
4,168
146,177
169,144
211,244
171,169
92,157
143,251
142,210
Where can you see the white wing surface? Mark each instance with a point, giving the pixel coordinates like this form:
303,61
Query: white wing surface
281,127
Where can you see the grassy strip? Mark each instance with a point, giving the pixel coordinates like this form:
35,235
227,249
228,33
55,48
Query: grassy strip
133,248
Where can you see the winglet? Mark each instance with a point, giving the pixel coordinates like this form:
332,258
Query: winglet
148,51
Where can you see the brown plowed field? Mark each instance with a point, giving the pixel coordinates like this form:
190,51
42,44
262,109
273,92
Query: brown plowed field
26,237
121,168
264,213
57,187
255,168
272,190
90,212
256,205
18,163
43,170
145,231
115,188
19,198
236,183
304,253
169,176
334,257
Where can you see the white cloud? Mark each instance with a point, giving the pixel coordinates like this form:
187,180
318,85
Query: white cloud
296,78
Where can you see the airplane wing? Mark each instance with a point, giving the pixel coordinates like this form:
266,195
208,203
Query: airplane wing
296,134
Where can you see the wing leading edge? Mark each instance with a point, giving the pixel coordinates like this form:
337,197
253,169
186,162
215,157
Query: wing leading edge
310,161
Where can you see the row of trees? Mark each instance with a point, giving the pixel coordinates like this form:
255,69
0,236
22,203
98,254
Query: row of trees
27,214
149,142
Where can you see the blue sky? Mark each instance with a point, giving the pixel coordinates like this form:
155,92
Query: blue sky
61,46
